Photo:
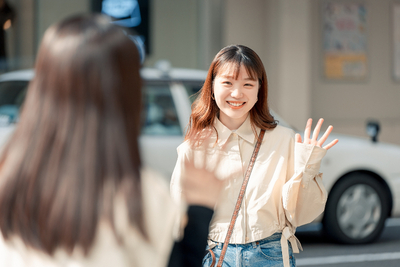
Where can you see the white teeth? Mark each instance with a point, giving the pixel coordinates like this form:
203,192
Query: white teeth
236,104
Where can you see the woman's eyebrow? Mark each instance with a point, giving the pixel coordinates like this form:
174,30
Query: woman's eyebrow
232,77
227,76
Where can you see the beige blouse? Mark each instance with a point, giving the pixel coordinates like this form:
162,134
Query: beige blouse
160,214
285,189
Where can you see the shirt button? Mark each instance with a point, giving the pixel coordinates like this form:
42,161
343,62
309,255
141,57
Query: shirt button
308,166
247,239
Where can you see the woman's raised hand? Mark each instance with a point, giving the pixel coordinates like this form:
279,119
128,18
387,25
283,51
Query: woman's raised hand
314,139
200,186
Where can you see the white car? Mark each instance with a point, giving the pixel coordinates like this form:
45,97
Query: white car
362,176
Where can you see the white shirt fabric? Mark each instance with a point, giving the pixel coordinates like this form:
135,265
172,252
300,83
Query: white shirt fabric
133,250
285,189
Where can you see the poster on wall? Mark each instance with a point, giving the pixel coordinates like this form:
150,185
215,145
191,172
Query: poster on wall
396,41
344,40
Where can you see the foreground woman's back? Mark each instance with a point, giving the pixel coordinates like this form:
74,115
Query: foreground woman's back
71,189
126,247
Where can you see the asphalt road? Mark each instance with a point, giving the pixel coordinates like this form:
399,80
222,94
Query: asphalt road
318,251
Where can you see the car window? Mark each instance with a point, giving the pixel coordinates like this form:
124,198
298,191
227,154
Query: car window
193,88
12,95
160,115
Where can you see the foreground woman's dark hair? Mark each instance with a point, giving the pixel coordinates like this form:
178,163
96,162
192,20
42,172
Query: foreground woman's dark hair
75,147
72,190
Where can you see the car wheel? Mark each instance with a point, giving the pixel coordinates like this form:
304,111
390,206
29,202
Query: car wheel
356,209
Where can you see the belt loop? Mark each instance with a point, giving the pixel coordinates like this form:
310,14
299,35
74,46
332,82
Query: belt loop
219,245
254,244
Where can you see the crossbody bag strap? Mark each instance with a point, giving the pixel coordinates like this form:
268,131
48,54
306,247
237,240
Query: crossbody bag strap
240,198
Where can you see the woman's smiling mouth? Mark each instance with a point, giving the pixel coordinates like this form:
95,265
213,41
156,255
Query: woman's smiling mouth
235,104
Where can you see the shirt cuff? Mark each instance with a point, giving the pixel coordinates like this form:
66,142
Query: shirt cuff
308,160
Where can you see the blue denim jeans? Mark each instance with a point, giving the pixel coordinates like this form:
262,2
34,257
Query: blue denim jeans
263,253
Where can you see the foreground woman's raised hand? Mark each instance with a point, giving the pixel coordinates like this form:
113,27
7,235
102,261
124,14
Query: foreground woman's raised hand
200,186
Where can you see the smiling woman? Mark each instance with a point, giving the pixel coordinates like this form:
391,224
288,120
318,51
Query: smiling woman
285,190
235,95
231,61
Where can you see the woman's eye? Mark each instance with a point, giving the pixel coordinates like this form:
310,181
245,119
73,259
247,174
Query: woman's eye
226,82
248,85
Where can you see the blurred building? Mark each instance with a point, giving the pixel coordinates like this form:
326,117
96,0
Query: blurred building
289,35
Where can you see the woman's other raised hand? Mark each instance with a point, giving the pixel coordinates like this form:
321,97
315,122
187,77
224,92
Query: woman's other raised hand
314,139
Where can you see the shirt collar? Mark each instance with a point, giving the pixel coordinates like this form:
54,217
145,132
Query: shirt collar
245,131
222,131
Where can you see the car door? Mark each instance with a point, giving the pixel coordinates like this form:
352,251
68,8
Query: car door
166,112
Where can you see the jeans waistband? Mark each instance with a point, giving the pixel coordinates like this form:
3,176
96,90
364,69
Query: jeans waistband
274,237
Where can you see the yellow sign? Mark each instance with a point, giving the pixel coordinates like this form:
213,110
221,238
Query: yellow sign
345,66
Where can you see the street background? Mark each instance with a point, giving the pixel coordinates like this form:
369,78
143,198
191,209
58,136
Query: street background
289,37
287,34
318,251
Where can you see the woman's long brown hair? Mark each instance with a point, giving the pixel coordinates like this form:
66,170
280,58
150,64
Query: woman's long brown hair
205,109
76,144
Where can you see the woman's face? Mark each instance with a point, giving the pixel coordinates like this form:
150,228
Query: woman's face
234,97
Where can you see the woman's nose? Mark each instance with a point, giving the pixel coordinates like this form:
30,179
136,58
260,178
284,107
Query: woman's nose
236,93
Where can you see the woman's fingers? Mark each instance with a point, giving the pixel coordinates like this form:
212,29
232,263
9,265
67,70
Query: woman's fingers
331,144
322,140
314,139
325,137
200,187
307,131
220,155
317,129
298,138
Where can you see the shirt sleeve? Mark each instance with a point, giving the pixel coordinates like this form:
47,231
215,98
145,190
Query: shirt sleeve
175,184
304,195
176,190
